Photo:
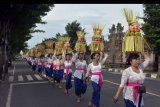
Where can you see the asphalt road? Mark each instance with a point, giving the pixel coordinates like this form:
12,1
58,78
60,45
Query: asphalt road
25,88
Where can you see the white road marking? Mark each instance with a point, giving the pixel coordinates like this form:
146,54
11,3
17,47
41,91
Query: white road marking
30,83
29,77
20,78
153,75
8,103
11,78
38,77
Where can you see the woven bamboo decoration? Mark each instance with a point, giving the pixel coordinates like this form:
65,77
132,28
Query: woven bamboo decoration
97,43
80,46
49,47
133,40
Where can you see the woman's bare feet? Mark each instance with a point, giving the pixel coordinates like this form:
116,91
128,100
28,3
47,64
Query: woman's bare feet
59,86
66,91
90,104
78,99
69,91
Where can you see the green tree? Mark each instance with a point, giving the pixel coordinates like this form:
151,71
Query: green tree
151,28
26,20
58,35
17,21
71,29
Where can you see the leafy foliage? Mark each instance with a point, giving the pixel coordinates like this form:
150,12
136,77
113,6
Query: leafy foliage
71,29
23,19
151,27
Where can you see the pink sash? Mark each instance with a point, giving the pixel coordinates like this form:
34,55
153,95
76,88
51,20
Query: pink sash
135,89
100,78
34,62
39,62
67,70
84,69
60,65
49,63
53,66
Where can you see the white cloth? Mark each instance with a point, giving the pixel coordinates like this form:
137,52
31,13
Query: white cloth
129,75
28,58
68,64
33,62
80,64
39,62
49,62
98,68
58,62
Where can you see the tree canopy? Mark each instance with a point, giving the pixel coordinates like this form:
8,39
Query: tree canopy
71,29
22,21
151,27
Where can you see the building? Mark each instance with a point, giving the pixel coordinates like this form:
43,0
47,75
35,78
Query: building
114,45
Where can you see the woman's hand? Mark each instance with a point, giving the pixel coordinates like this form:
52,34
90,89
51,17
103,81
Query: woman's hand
116,98
105,54
86,80
118,93
145,54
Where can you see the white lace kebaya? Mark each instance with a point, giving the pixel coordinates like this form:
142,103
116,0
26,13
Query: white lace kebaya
49,62
129,75
98,68
67,66
80,65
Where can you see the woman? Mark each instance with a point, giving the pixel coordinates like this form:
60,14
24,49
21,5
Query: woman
40,65
54,57
48,67
68,72
34,64
59,67
79,75
96,78
132,78
43,65
29,60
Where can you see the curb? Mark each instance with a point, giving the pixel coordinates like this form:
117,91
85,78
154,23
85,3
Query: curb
149,75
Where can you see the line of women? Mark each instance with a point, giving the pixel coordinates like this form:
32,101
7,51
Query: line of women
61,66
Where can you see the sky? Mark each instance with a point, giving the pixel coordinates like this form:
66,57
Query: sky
86,15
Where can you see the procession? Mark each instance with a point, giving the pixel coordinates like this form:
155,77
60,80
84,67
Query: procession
58,62
79,55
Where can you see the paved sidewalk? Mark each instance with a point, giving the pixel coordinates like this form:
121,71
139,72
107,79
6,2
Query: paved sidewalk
4,89
147,74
